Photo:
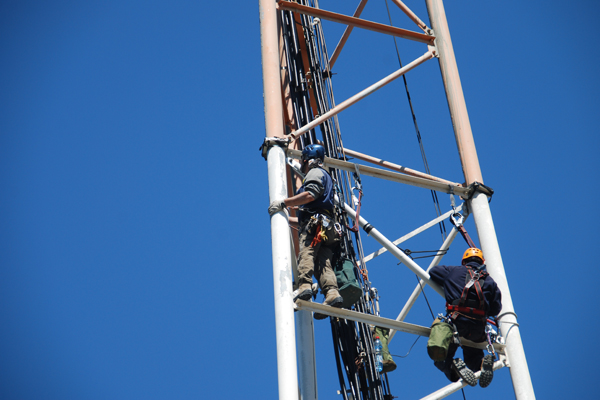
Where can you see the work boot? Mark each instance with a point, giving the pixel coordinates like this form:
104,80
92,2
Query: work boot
464,372
333,299
487,371
304,292
388,366
384,335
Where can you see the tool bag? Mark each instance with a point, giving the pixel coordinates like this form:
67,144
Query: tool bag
439,340
347,283
388,361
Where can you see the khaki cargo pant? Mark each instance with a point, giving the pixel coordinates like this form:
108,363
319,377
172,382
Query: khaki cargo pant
317,260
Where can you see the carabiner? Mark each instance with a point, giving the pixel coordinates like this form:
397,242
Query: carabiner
457,219
338,228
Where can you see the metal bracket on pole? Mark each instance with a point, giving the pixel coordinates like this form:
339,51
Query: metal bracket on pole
477,187
273,141
433,50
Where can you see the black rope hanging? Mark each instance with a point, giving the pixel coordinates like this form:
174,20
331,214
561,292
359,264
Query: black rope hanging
434,196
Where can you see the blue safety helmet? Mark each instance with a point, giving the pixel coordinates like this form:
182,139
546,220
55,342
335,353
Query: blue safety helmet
313,151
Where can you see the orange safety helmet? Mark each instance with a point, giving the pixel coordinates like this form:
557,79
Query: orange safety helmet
473,252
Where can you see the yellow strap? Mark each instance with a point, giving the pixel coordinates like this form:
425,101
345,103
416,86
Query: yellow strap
323,235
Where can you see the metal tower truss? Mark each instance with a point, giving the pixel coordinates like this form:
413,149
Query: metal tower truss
300,109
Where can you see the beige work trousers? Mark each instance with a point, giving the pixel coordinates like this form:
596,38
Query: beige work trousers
316,260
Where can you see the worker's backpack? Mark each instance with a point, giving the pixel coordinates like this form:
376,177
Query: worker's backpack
439,340
348,285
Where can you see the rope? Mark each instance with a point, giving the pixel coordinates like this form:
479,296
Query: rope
364,273
436,202
409,253
356,225
425,296
409,350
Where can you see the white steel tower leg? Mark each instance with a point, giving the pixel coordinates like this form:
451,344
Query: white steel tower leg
281,247
306,355
517,362
282,280
479,204
305,347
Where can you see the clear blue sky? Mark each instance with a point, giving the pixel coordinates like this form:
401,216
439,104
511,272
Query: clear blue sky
135,253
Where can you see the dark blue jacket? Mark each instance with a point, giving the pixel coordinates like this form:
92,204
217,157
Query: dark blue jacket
320,185
452,280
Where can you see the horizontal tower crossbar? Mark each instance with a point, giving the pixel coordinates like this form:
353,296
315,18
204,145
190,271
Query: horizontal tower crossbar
365,318
389,175
393,167
361,23
381,322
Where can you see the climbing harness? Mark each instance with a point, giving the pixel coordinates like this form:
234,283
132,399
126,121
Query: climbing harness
471,308
322,223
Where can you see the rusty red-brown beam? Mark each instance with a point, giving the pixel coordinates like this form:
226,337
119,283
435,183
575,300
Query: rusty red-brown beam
395,167
346,35
361,23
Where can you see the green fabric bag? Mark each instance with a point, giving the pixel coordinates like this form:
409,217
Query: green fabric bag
384,337
439,340
347,283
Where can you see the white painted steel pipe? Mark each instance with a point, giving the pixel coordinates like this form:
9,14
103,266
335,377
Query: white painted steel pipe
395,251
363,317
519,371
305,345
361,95
307,365
374,320
479,204
287,372
282,280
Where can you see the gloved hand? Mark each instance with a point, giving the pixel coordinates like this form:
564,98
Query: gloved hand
276,206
